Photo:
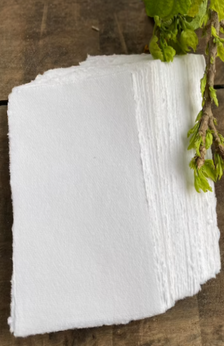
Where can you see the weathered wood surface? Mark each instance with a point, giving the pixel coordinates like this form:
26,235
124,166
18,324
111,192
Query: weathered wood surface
41,34
37,35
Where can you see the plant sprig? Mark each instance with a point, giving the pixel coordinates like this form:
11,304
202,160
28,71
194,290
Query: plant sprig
174,33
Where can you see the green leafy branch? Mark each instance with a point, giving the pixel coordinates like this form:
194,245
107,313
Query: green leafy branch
174,33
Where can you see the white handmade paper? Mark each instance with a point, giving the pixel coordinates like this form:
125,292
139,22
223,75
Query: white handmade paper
107,225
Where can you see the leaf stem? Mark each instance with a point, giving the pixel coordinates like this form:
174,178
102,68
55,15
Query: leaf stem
207,121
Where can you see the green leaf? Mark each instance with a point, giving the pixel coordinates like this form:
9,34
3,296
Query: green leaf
177,47
221,138
194,129
213,32
205,18
197,183
220,52
167,21
188,38
157,21
204,182
208,139
191,144
210,163
166,8
194,140
192,165
209,170
155,50
201,175
174,36
203,83
213,96
222,30
199,116
194,9
169,53
200,18
197,144
218,6
201,182
219,165
212,60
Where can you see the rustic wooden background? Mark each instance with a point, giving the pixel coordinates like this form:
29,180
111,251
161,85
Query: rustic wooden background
36,35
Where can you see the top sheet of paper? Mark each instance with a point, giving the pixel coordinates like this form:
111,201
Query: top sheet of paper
107,225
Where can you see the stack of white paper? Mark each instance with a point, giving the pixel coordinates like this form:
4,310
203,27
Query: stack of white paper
107,225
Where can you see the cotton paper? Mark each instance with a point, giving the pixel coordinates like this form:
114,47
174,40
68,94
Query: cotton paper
107,225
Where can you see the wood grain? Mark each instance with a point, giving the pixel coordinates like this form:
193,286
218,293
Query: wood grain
37,35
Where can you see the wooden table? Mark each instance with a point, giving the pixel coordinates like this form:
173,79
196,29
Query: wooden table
36,35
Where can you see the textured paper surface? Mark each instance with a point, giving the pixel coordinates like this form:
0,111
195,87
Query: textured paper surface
81,222
107,225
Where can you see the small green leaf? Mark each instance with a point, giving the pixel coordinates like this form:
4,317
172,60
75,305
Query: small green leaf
201,182
213,96
201,175
174,36
193,11
188,38
199,116
157,21
155,50
213,32
204,182
203,83
208,139
197,183
192,142
169,53
166,8
220,52
194,129
212,60
218,6
222,30
209,170
192,165
197,144
200,18
205,18
221,138
175,44
219,165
